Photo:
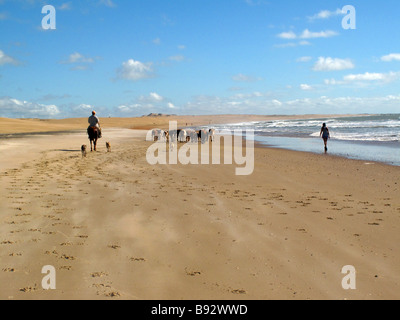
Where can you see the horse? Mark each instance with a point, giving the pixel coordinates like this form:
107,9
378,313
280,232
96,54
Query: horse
93,137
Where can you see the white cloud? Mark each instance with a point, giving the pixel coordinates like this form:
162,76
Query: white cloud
333,64
128,109
287,35
13,108
171,105
84,107
77,58
65,6
304,59
277,102
256,103
364,79
264,103
177,58
292,44
326,14
307,34
80,68
141,108
245,78
332,82
181,47
150,99
391,57
286,45
134,70
306,87
157,41
385,77
145,104
78,110
344,105
253,95
156,96
5,59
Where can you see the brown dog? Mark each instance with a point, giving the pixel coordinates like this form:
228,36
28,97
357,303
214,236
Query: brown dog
108,146
84,151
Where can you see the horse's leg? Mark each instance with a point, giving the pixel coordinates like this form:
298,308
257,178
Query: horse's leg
91,146
95,144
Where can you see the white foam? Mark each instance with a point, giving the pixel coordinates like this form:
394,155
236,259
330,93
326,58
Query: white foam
385,128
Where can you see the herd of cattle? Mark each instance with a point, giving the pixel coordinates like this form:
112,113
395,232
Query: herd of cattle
184,135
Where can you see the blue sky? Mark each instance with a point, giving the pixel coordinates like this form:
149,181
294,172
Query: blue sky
134,57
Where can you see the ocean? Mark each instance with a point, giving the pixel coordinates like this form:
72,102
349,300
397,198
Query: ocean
371,138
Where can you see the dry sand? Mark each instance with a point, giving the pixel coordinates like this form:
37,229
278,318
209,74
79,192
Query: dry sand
115,227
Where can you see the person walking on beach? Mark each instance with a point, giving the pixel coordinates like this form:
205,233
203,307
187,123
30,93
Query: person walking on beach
325,135
94,122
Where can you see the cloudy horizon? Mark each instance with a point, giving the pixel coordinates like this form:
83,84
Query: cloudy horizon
131,58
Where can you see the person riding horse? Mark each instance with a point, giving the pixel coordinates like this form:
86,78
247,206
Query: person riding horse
94,130
94,123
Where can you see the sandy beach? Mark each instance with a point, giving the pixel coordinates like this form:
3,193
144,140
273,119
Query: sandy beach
115,227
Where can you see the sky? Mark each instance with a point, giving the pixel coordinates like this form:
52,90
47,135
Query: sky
127,58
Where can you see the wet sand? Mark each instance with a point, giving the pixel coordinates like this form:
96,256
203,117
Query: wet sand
115,227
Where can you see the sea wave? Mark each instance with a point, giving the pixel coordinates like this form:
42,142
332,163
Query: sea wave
371,137
383,128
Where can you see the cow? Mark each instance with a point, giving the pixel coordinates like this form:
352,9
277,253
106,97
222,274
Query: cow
173,136
203,136
182,136
153,135
212,134
191,136
158,135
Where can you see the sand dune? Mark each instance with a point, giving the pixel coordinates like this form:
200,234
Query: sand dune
115,227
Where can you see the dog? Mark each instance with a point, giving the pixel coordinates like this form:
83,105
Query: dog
84,151
108,146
